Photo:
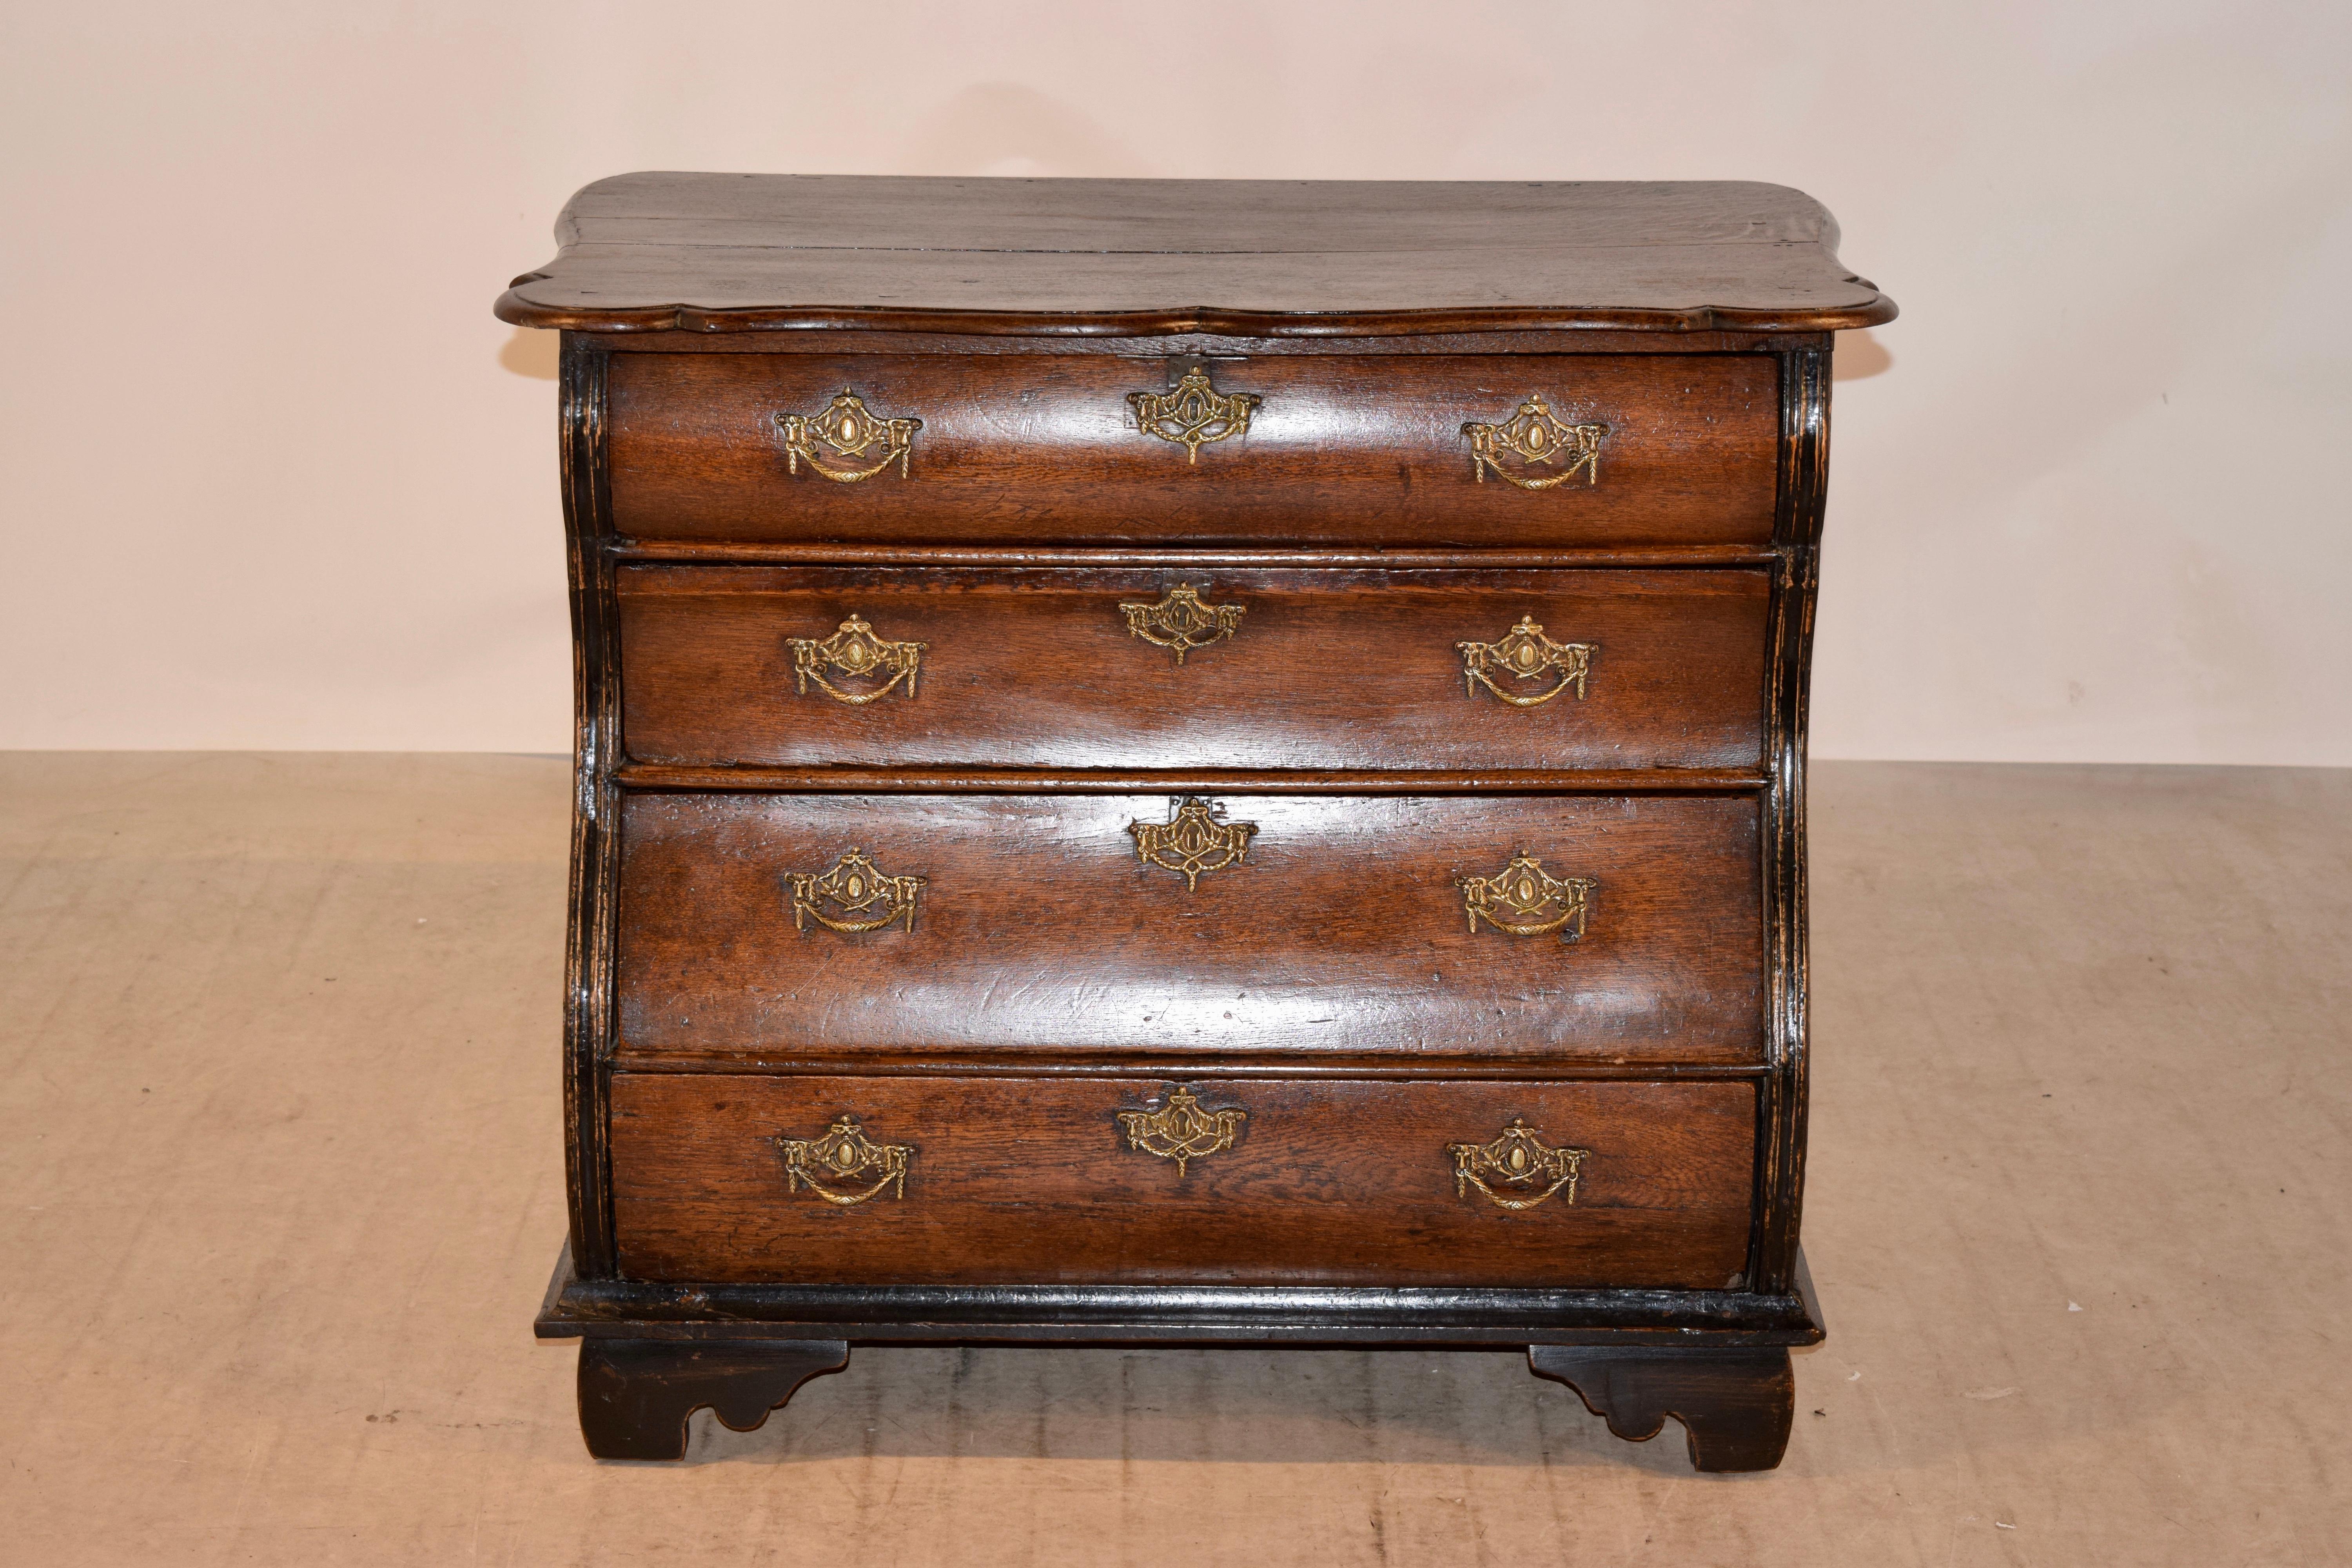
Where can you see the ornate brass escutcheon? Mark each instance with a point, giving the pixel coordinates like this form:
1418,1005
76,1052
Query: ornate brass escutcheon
843,1155
1519,1162
1521,898
1535,438
1194,840
838,442
1181,1131
853,890
855,650
1192,412
1180,622
1526,654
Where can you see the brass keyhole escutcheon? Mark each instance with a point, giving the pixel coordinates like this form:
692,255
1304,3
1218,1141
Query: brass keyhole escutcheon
1518,1170
1192,412
1524,899
1535,448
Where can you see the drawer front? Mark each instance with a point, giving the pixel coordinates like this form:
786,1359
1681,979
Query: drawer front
1145,670
790,928
922,1181
1337,449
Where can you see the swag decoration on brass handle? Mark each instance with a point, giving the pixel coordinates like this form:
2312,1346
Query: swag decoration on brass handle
1523,900
1519,1163
838,442
1180,622
1192,412
1536,438
1524,655
1195,839
1181,1131
855,650
854,889
845,1154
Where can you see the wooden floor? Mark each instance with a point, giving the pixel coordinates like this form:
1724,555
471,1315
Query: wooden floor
282,1177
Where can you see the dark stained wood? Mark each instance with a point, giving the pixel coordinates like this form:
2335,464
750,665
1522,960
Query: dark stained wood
1315,259
1327,670
636,1394
846,780
1018,1180
1370,1316
1014,557
589,985
1059,1061
1549,341
1735,1405
1797,531
1342,932
1332,969
1349,452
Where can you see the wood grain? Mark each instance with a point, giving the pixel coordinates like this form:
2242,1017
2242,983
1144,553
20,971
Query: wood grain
1040,450
589,980
1332,971
1567,340
1317,259
1328,669
846,780
1329,1183
1342,932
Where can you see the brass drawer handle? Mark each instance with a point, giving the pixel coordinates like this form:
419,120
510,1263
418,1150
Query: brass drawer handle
855,650
1194,840
853,890
1520,899
838,440
1517,1161
1535,438
1181,622
1526,654
1192,412
843,1155
1181,1131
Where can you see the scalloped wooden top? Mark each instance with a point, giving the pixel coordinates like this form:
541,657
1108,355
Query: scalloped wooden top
715,253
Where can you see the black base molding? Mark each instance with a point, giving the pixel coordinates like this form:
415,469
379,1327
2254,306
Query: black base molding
652,1355
1126,1314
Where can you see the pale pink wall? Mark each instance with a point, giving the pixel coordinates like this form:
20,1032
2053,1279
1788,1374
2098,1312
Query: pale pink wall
274,477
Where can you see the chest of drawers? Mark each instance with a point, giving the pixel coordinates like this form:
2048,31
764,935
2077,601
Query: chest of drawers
1190,762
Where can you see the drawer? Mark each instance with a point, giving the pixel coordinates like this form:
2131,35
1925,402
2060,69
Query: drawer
938,1181
1144,669
1337,449
1324,928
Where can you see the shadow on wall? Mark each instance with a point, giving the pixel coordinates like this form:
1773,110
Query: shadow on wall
1859,354
531,353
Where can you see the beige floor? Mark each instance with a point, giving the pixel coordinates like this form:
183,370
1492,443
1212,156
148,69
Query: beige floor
279,1164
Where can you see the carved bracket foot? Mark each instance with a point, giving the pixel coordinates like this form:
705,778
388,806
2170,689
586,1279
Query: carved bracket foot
1735,1404
636,1394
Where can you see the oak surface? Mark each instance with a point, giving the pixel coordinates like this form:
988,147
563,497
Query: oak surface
1016,322
1327,670
1035,449
1033,1180
1042,934
653,251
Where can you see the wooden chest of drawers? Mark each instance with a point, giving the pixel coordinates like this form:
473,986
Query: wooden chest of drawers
1190,762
